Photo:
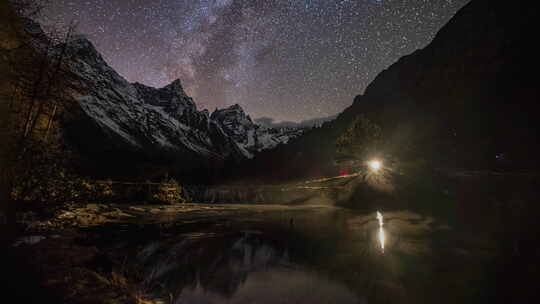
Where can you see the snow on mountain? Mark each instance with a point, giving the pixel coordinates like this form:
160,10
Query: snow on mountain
251,137
113,114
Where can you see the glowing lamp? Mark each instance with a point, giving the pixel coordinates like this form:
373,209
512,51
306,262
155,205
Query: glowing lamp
375,165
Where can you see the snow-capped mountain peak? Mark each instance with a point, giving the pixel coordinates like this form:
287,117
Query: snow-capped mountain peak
111,114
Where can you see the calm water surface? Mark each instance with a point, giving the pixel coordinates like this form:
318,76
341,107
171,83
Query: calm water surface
302,255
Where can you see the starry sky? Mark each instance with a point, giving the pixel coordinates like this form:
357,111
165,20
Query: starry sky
285,59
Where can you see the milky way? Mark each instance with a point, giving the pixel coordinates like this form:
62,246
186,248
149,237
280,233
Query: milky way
290,60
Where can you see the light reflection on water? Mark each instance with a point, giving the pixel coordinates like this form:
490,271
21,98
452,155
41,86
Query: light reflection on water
304,255
382,238
327,254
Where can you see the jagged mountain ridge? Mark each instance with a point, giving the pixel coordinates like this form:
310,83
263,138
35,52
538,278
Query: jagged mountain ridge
251,137
113,116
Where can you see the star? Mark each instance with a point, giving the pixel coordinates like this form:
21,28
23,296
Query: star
289,60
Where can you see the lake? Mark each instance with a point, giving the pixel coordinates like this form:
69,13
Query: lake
299,254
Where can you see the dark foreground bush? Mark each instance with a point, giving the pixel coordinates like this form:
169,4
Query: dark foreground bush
168,192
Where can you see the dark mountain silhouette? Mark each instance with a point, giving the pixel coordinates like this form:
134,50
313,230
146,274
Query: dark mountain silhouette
468,99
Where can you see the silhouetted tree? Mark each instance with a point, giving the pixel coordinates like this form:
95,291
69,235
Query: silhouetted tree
32,90
362,140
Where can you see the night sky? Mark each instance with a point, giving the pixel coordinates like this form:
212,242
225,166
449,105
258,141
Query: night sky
289,60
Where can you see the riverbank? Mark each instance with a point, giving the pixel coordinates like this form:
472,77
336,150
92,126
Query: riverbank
471,239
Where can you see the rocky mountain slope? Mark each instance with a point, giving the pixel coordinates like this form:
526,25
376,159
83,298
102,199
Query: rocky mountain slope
114,119
165,120
467,99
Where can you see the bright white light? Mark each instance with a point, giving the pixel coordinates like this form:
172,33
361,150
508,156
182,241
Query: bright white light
382,238
375,165
380,219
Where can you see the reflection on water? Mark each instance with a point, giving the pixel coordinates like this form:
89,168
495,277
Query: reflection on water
381,230
276,285
235,268
329,255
